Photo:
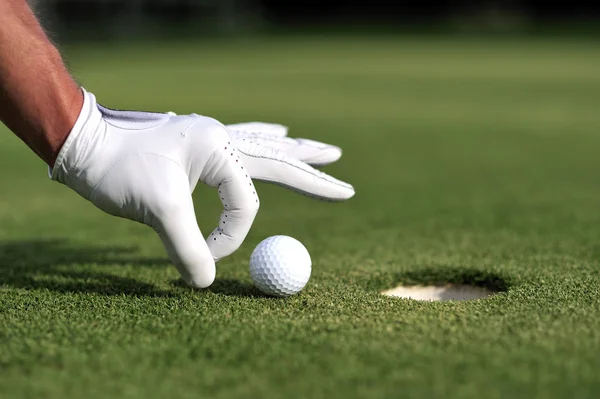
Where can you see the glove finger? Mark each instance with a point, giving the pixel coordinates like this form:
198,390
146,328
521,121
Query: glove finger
240,204
309,151
273,166
274,129
175,222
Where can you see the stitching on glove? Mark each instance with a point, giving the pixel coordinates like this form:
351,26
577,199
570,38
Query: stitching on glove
300,191
317,175
198,119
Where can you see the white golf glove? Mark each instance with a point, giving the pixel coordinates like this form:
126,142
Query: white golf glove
273,135
144,166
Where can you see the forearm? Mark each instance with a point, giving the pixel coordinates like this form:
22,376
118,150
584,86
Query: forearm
39,101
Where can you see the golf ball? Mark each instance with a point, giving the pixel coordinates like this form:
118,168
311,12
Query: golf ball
280,266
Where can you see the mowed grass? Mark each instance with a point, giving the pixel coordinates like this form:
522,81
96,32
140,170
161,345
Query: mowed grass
474,161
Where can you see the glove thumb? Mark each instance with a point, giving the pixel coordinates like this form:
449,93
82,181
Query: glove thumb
175,222
155,191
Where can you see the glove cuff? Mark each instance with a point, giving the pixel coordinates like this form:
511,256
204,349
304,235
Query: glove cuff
63,166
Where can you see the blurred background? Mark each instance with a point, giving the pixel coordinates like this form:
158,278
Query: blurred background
110,19
479,112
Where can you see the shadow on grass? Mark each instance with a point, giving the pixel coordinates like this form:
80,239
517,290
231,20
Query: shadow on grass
228,287
44,264
236,288
48,264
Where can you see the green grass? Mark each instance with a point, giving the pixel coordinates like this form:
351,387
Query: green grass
473,161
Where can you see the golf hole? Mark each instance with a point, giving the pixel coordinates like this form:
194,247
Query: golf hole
448,292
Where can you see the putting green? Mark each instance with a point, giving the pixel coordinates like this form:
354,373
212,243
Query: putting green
475,162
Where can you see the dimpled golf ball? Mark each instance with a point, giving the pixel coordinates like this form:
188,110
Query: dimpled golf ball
280,266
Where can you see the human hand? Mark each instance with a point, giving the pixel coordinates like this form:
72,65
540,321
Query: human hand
144,167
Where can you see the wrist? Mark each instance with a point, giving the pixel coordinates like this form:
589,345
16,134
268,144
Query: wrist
64,123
